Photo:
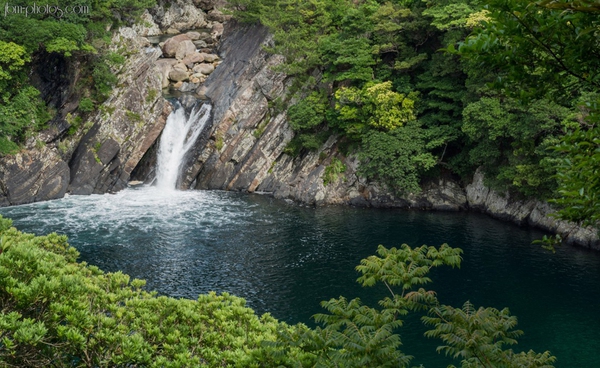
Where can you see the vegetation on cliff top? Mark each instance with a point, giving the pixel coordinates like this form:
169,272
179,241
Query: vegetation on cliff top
72,30
57,312
515,91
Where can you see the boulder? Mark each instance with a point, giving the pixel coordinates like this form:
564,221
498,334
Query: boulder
217,30
178,85
31,176
170,46
178,75
204,36
210,4
164,67
180,66
178,14
184,49
209,58
201,92
200,44
188,87
204,68
193,35
192,59
217,16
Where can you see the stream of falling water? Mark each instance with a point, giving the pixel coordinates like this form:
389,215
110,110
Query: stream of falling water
178,137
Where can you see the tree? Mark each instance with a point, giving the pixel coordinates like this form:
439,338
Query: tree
356,335
550,49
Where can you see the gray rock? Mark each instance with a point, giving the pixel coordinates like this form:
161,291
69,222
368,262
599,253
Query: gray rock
188,87
179,14
200,44
106,155
192,59
32,176
532,212
209,58
164,67
184,49
217,30
201,92
204,68
180,66
193,35
178,75
217,16
171,45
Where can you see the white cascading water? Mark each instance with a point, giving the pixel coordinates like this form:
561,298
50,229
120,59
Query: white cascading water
178,137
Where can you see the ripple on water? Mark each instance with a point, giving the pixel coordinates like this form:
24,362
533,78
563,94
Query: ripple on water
285,259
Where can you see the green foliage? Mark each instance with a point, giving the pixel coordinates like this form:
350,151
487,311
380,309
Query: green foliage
333,171
86,104
12,59
151,96
20,114
219,142
357,335
512,142
57,312
396,158
74,124
538,51
133,116
478,336
104,80
375,106
308,113
502,106
578,176
549,242
70,34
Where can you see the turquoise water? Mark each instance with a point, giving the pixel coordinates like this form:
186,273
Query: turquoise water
285,258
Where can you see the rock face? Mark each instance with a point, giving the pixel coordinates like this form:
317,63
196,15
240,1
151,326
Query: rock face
246,150
248,139
532,212
178,15
32,176
122,131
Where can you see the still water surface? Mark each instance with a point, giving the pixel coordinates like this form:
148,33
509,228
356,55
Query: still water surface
284,259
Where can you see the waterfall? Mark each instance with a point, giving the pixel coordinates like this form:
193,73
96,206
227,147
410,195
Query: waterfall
178,137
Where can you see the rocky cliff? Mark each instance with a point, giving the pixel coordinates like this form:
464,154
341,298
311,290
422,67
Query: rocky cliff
84,153
246,150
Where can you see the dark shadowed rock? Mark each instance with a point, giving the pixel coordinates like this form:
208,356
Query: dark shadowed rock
32,176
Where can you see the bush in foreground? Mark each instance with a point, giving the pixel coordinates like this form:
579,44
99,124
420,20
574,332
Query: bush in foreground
56,312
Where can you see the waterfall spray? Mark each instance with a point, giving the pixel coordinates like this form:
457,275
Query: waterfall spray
178,137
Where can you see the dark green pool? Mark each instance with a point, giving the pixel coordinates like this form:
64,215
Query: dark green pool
285,258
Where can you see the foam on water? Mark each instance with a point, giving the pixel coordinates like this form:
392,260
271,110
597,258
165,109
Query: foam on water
143,209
